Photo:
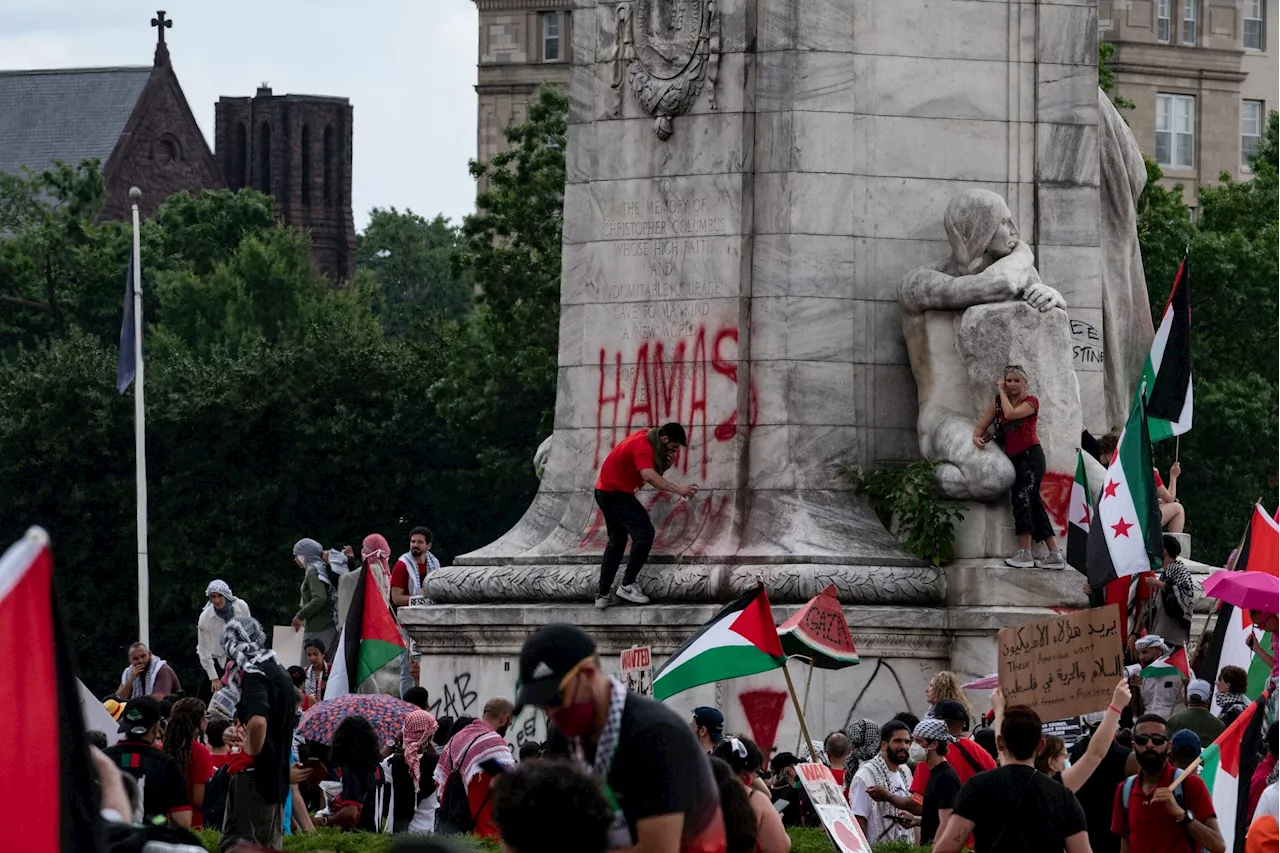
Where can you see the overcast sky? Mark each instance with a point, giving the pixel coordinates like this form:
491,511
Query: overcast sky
408,67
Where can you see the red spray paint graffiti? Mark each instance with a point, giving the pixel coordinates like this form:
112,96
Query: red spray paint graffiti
763,709
705,517
1055,493
672,383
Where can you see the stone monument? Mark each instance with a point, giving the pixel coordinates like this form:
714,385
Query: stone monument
748,181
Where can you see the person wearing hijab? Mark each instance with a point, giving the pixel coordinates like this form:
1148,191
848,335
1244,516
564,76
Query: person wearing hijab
220,608
375,551
317,615
413,788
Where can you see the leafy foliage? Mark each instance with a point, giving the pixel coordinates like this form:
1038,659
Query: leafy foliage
1107,77
907,500
412,260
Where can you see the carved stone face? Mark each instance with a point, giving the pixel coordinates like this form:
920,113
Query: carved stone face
1006,236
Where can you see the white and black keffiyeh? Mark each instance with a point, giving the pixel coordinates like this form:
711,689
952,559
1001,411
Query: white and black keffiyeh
146,684
1231,701
883,778
1180,587
608,743
243,640
933,729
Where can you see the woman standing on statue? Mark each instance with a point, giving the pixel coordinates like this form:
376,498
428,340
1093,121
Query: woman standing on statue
1013,414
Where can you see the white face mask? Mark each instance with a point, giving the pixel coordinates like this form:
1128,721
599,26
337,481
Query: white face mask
917,753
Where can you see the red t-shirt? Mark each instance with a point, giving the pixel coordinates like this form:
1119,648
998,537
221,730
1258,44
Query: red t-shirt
481,803
964,767
1151,829
621,469
218,760
400,575
1019,434
200,769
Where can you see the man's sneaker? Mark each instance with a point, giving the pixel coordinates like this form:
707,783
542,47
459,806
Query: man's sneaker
1020,560
1053,560
631,592
603,601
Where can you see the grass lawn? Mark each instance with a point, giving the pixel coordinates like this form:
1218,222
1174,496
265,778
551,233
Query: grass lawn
802,841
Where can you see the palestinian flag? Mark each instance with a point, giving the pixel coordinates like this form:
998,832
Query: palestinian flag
1174,663
1167,371
1227,767
1124,534
1259,552
739,640
46,793
370,639
1079,515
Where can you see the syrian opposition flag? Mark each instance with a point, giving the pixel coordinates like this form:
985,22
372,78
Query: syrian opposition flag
1227,767
370,639
1124,535
739,640
1260,552
1079,516
1167,371
46,792
1174,663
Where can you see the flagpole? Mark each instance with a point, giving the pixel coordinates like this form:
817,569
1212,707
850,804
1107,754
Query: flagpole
1231,565
808,682
139,430
804,727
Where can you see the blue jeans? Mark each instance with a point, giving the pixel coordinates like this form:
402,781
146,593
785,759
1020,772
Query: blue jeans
624,516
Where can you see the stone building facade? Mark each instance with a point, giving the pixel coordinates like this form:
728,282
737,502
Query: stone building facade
297,148
1202,74
522,43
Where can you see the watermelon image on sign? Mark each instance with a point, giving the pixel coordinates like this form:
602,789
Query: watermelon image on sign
819,633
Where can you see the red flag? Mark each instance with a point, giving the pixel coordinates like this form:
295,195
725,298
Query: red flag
46,801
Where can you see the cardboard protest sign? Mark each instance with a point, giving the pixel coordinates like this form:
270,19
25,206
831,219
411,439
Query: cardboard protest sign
829,802
1063,666
637,670
287,644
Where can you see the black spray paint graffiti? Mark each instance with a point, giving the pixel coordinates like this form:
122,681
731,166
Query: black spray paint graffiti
457,700
1086,344
528,731
906,703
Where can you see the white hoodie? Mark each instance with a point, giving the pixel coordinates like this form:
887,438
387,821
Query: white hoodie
209,637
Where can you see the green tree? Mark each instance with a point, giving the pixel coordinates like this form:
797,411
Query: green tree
412,259
497,393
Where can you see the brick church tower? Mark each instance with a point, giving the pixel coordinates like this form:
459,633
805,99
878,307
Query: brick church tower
298,149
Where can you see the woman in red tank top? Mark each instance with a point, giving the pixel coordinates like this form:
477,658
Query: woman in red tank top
1013,413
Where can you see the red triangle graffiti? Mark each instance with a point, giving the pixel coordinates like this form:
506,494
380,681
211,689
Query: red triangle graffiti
763,709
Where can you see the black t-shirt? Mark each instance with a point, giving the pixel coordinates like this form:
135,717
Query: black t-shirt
1097,795
402,783
270,694
940,793
164,788
1021,808
658,769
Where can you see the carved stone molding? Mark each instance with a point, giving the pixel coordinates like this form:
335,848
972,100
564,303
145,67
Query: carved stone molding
669,49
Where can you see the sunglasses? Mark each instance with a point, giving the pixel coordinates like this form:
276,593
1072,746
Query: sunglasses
1154,740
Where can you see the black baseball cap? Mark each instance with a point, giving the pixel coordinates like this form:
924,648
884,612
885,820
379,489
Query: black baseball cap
952,711
139,716
546,658
712,720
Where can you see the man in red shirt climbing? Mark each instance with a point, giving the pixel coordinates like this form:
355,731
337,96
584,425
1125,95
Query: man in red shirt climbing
642,457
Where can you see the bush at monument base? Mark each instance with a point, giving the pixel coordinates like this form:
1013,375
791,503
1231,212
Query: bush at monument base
802,841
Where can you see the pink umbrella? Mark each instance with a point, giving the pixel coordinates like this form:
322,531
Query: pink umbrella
991,682
1246,590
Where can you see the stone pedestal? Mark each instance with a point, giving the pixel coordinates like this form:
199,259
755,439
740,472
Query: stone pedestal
747,182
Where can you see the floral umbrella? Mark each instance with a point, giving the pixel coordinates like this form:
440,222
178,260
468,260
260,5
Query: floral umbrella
386,713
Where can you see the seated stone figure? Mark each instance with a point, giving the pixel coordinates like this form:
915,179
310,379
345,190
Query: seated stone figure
988,264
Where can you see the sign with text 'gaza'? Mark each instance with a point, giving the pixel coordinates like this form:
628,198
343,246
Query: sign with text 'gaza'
1063,666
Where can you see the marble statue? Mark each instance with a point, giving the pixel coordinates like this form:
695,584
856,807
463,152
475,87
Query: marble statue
541,456
1126,311
988,265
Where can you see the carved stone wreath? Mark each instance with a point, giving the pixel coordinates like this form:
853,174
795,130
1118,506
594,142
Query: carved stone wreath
669,49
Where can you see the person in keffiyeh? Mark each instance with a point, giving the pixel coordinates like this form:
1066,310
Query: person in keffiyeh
479,752
1171,617
412,770
146,675
220,608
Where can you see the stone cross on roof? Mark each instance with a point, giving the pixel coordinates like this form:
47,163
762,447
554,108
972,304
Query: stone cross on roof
161,24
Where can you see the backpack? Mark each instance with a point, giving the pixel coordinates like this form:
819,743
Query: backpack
1127,791
454,816
215,798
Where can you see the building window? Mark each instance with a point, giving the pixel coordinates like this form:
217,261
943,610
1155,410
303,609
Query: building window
264,157
1164,24
306,165
1176,131
327,178
1251,113
1255,20
549,24
1189,22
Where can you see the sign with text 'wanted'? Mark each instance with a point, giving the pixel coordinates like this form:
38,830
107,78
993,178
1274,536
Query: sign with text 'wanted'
1063,666
637,670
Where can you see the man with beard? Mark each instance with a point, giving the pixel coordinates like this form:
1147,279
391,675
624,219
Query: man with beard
882,787
407,577
654,772
146,675
1159,695
1148,816
477,753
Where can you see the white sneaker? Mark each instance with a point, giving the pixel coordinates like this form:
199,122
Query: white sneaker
1053,560
1021,560
631,592
604,601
